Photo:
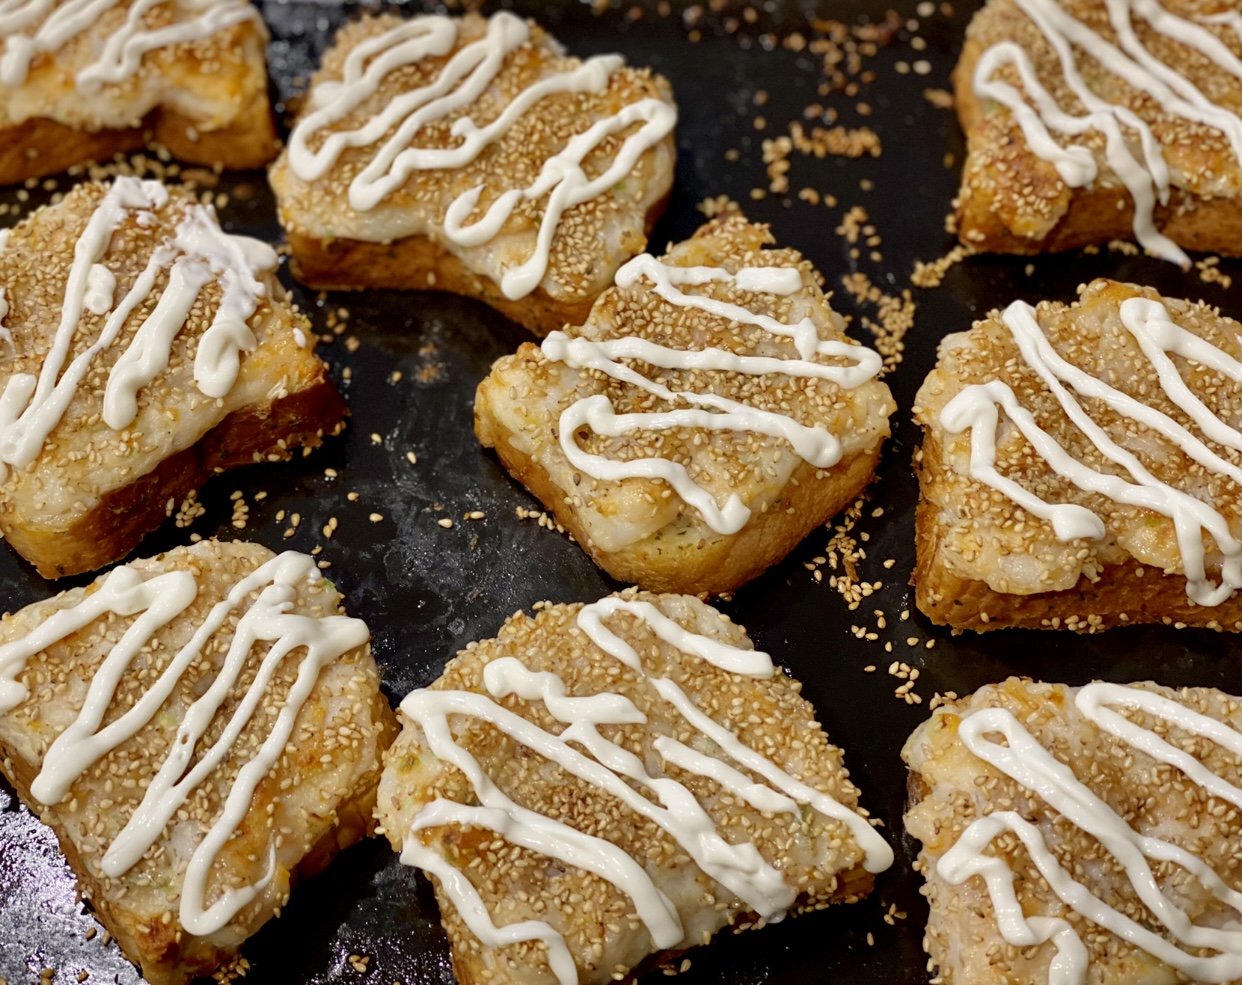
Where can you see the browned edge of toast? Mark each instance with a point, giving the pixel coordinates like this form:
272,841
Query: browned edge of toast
418,263
41,146
124,516
1209,225
1119,596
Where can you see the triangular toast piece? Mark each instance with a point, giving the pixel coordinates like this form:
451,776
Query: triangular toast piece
709,414
200,729
1079,834
605,786
1080,466
143,351
1088,121
473,155
83,81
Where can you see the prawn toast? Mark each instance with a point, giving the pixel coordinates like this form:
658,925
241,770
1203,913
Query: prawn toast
200,729
707,417
604,786
144,350
1079,467
82,80
1080,834
1090,120
473,155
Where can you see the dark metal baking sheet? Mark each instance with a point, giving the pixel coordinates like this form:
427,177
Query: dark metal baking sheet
426,590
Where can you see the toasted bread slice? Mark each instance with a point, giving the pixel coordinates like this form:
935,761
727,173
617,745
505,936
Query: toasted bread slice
474,156
660,825
81,82
757,445
200,729
1085,521
1050,177
1079,832
164,350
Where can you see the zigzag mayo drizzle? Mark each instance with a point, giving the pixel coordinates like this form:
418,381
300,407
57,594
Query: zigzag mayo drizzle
156,602
814,444
198,254
1022,758
976,408
123,51
462,81
738,867
1145,176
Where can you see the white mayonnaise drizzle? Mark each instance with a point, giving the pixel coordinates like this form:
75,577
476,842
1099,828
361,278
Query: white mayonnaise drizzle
1023,759
462,81
611,767
815,445
1146,179
156,602
199,253
1157,335
123,51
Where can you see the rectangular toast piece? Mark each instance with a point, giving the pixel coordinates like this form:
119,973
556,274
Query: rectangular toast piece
200,729
1080,834
1078,467
81,82
708,415
1063,151
473,155
660,825
143,351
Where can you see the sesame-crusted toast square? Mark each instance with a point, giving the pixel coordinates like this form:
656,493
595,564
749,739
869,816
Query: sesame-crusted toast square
81,82
1088,121
473,155
200,729
708,416
1080,466
1080,834
143,350
602,787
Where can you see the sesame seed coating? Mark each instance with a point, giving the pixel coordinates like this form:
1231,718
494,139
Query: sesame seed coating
316,797
210,80
815,855
951,787
592,239
983,535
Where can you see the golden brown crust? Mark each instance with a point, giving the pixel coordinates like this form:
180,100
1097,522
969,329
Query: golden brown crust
820,860
1119,596
39,147
1012,201
263,432
637,528
706,562
420,263
91,491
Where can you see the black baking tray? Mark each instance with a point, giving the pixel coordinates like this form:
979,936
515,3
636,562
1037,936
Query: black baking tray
741,74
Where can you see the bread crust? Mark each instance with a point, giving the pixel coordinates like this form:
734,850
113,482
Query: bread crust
990,209
1118,596
41,146
267,431
418,263
710,563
